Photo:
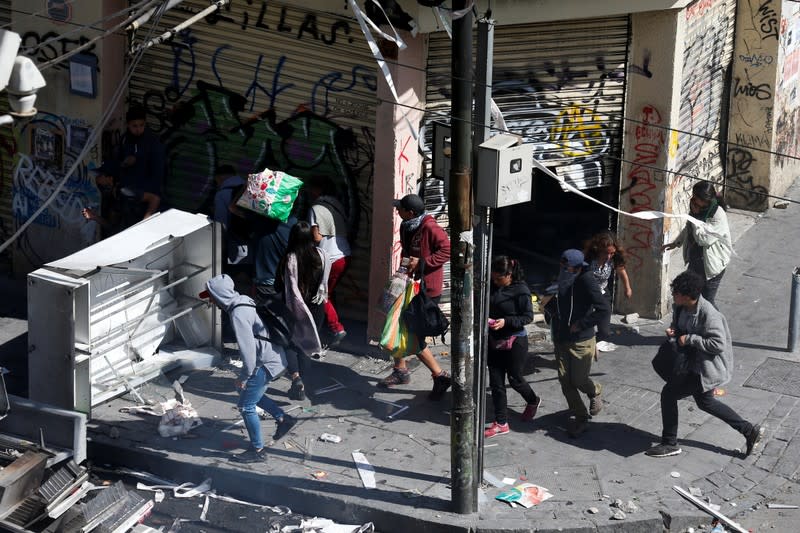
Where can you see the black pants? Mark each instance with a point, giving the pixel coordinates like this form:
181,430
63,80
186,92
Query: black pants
512,363
691,386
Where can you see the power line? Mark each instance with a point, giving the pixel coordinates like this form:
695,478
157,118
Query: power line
616,158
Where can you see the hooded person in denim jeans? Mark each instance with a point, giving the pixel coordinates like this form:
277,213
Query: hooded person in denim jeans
262,362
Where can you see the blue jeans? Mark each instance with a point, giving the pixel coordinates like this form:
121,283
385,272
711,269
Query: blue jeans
252,396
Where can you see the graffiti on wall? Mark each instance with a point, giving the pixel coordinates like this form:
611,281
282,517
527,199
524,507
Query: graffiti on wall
752,93
43,47
53,143
640,184
787,103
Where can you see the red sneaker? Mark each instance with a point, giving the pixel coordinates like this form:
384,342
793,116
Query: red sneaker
495,429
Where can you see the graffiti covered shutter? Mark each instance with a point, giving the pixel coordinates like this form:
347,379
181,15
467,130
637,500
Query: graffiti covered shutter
559,85
266,85
704,90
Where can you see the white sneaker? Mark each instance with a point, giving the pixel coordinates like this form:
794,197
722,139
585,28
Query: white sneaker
604,346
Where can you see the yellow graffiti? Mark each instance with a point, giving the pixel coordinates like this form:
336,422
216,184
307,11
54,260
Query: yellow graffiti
578,132
673,144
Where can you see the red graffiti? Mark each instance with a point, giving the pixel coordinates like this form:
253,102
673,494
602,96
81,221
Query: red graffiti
402,160
650,143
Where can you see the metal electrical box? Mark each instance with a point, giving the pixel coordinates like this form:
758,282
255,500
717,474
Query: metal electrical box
504,171
120,312
441,151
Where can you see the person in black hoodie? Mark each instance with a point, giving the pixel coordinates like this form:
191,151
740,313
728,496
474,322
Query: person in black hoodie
509,310
574,312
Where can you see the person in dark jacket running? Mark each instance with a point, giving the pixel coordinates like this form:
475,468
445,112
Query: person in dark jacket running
262,362
574,312
510,310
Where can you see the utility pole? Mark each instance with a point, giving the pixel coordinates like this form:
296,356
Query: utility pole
462,414
483,235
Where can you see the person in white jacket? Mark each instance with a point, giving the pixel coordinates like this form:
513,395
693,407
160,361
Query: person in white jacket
707,246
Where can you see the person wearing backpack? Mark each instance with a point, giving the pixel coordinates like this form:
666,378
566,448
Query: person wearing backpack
262,362
303,280
427,247
510,309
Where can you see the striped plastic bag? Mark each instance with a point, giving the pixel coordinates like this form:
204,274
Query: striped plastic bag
396,338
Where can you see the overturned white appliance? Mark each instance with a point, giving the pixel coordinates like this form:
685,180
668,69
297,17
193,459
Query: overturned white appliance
118,313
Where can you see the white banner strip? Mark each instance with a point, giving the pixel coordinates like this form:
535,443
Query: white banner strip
644,215
373,46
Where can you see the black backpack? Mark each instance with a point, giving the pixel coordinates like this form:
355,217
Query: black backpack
276,319
423,316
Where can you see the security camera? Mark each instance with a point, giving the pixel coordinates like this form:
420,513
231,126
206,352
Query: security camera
9,45
25,81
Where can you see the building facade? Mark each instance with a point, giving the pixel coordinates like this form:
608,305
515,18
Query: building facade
630,102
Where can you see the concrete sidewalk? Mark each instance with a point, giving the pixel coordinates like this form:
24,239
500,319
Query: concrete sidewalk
411,453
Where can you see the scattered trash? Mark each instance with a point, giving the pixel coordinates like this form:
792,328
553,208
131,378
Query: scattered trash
400,408
618,514
526,494
323,525
703,506
593,510
365,470
694,491
718,528
631,318
330,388
490,478
628,507
781,506
330,437
509,481
204,512
675,474
319,474
159,496
781,204
605,346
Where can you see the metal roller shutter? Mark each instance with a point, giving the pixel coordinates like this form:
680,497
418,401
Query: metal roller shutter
704,89
560,85
8,150
266,85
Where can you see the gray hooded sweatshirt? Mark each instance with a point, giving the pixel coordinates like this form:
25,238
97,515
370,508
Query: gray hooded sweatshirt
247,325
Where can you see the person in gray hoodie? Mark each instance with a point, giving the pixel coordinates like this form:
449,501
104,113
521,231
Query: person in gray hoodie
262,362
699,327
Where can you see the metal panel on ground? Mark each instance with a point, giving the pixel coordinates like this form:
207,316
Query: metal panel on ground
560,86
266,85
704,91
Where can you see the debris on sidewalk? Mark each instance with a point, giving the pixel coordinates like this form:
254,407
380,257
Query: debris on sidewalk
324,525
631,318
330,388
365,470
525,494
703,506
780,204
330,437
605,346
319,474
781,506
399,408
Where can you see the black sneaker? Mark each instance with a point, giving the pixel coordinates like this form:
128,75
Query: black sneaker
284,426
441,383
576,427
250,455
754,439
663,450
297,391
